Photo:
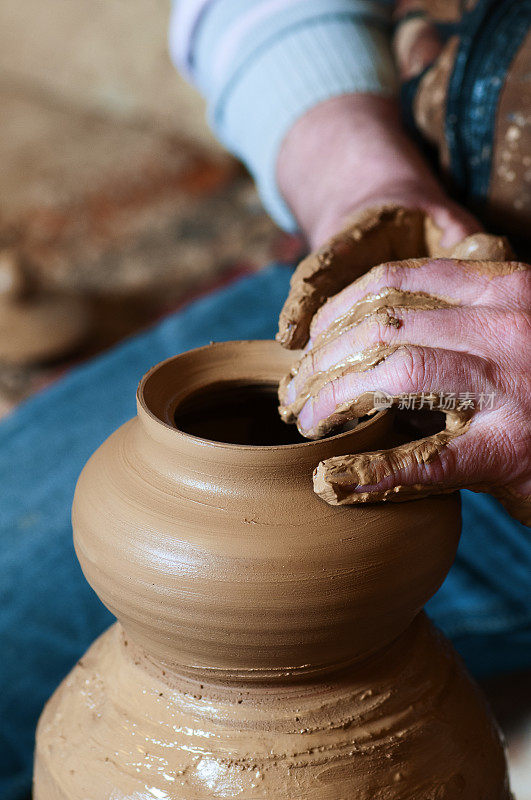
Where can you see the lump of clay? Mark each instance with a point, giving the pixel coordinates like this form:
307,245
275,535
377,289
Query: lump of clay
373,236
35,326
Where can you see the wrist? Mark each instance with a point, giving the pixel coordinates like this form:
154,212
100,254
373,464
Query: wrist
346,154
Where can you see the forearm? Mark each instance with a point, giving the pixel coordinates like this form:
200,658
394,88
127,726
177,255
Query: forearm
348,153
263,65
303,93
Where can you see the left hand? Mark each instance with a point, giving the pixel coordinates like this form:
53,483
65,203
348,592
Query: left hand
424,327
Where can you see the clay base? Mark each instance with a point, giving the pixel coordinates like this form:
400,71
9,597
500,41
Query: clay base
407,724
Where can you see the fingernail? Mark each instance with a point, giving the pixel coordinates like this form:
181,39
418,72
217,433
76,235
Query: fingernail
305,421
290,393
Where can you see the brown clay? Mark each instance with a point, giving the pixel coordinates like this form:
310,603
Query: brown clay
385,306
269,645
35,326
374,236
324,273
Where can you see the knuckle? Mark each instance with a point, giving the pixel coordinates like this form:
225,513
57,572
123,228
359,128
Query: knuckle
514,287
443,467
389,275
517,326
304,369
317,319
508,336
324,316
502,450
378,273
519,323
382,325
523,281
413,368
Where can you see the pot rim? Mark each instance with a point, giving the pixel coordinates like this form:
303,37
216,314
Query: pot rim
145,410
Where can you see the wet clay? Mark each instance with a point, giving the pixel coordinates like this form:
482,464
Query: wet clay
370,732
341,480
268,645
336,479
387,306
374,236
35,326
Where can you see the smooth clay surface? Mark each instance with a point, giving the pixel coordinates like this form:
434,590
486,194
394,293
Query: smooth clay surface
269,645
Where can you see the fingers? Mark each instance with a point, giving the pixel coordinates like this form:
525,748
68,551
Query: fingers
347,390
457,329
449,281
464,455
341,312
434,465
374,236
482,247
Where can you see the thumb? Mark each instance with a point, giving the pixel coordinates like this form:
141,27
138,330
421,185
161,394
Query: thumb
434,465
447,225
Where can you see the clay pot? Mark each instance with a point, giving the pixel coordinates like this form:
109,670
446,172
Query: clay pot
269,645
36,326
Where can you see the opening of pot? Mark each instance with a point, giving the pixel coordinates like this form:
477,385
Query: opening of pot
225,393
236,413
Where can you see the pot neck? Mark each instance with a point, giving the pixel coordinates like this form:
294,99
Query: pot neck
295,458
178,381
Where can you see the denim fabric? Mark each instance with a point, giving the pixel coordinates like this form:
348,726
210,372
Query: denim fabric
48,613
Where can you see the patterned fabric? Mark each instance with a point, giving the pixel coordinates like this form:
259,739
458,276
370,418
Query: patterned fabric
48,613
466,90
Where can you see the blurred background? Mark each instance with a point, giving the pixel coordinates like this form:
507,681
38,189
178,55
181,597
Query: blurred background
112,188
116,200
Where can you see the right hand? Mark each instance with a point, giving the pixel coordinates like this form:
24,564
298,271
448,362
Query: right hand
424,328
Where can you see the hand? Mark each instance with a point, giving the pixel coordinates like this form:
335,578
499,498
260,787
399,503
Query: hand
424,327
342,159
350,153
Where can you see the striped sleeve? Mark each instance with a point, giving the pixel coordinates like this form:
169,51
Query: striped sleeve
261,64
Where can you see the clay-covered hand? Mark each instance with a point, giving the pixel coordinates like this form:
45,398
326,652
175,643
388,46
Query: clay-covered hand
451,333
